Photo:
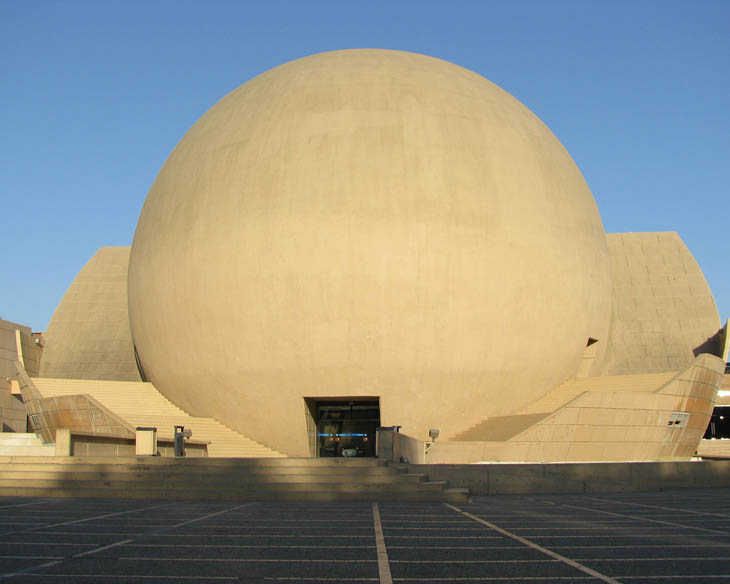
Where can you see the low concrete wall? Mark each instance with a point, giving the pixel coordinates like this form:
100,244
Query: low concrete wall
89,445
596,477
76,443
409,448
13,417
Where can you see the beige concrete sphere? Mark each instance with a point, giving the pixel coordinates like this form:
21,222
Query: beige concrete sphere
366,223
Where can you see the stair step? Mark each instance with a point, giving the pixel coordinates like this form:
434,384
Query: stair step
457,495
218,479
221,495
435,485
231,478
133,402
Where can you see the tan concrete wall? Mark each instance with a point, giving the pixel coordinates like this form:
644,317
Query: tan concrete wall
9,350
607,477
88,336
13,417
83,446
366,223
663,308
408,448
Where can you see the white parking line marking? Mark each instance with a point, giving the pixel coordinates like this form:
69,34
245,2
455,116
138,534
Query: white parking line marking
103,516
23,504
599,528
31,557
533,545
135,576
43,543
411,537
670,523
266,547
101,549
498,579
621,536
383,565
26,570
120,543
475,561
246,560
664,559
655,546
684,577
723,515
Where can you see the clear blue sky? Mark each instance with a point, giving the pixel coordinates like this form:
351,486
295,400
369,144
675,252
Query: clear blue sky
95,95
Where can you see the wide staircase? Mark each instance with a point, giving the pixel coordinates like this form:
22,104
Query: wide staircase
281,479
500,428
141,404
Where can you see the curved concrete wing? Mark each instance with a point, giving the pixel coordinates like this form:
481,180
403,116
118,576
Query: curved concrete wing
663,311
88,336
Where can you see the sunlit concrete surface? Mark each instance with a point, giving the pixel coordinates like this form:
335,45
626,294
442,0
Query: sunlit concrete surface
373,238
680,536
366,223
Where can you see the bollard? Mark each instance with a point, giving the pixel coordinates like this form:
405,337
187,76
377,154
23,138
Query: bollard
180,434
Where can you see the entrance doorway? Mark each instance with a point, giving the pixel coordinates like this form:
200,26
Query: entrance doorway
345,427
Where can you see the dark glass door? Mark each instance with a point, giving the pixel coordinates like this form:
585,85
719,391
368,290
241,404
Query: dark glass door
347,428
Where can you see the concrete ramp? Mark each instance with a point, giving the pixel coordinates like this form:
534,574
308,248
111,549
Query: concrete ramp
572,388
501,428
647,417
141,404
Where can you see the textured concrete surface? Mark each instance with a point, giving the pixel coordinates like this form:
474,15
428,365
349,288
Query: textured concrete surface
366,223
88,336
13,417
645,538
619,418
662,308
382,224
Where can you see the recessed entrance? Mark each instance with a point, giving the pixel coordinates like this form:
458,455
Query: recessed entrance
344,427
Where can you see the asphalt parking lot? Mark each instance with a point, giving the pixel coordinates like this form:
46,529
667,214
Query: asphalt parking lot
680,536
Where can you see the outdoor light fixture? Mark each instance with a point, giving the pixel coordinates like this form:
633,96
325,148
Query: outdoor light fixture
433,434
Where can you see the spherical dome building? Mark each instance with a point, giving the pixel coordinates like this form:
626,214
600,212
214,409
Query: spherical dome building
366,225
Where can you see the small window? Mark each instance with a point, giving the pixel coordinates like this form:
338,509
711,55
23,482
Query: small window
678,419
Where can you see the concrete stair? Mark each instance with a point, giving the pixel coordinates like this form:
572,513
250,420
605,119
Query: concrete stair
141,404
281,479
22,444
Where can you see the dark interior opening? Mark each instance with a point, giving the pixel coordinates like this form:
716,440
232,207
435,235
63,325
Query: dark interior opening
346,428
719,426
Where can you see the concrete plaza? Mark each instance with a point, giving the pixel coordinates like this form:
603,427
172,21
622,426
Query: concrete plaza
678,536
